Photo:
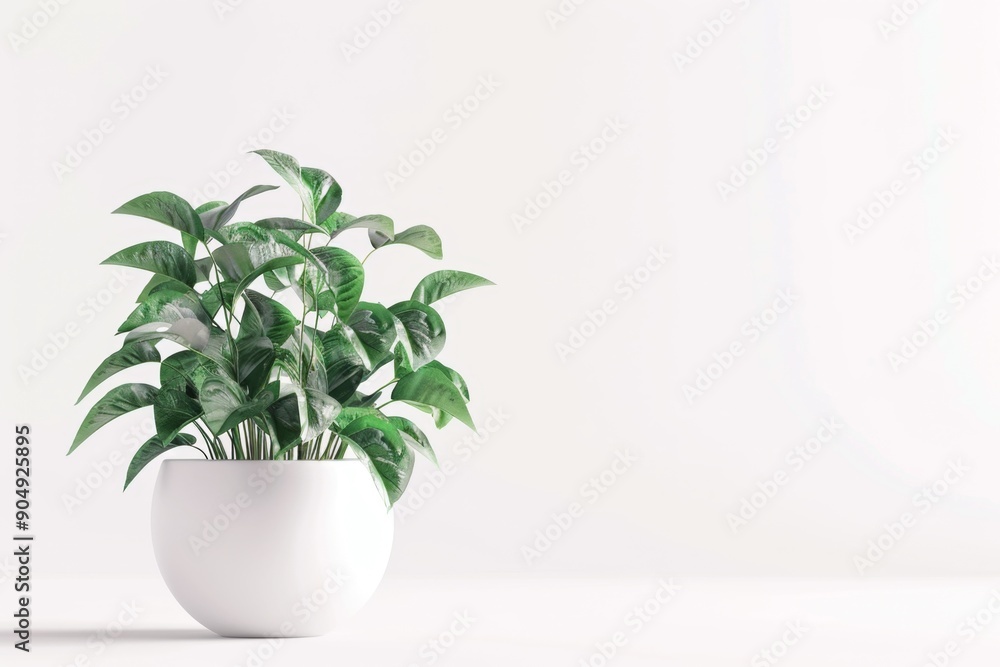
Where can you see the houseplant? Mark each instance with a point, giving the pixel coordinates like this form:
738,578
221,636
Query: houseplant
288,406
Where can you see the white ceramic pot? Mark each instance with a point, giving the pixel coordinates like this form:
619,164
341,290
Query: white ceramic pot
270,548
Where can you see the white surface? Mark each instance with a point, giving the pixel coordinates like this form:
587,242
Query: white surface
276,71
258,549
537,622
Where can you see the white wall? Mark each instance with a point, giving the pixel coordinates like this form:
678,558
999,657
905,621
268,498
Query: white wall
681,131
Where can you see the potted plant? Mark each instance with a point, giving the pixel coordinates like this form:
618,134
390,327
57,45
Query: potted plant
281,527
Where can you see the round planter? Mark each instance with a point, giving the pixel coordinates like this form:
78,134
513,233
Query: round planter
270,548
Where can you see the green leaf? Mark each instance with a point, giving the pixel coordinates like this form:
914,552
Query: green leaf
189,366
414,437
325,192
376,329
151,449
191,333
131,354
316,411
226,405
420,237
213,298
233,260
270,318
425,332
379,444
378,224
167,208
270,265
284,415
319,192
217,217
173,409
256,356
167,307
445,283
431,387
345,276
155,280
442,418
114,404
166,285
345,360
290,225
161,257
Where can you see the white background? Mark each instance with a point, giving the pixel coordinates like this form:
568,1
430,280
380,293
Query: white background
687,125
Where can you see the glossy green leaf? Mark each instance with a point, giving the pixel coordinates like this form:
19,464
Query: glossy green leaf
226,405
233,260
379,443
270,265
173,409
316,412
216,218
117,402
414,437
290,225
345,360
345,276
269,318
424,329
377,224
151,449
431,387
167,208
325,192
440,284
161,257
376,329
420,237
131,354
166,307
256,356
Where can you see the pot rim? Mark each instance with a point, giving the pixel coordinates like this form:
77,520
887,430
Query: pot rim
256,461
